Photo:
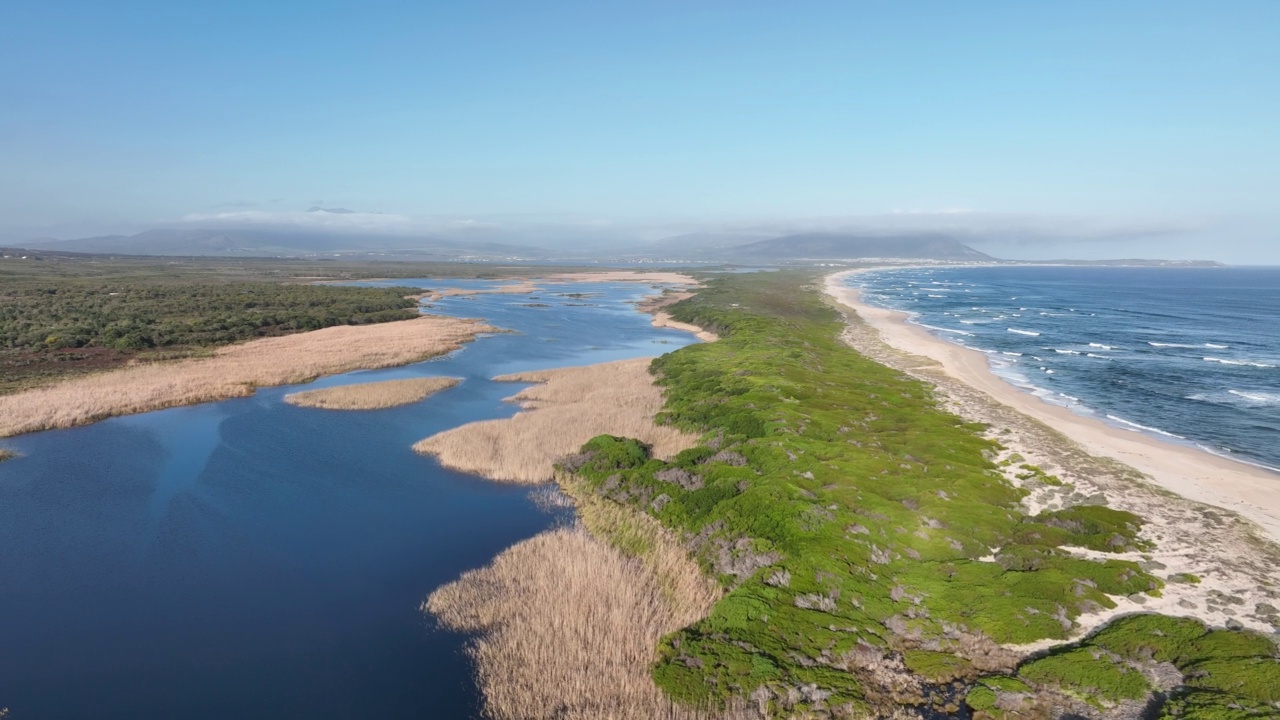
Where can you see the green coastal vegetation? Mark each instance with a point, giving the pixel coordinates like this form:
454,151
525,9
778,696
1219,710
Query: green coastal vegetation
1224,674
871,551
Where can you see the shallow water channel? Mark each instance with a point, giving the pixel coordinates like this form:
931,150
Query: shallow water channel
249,558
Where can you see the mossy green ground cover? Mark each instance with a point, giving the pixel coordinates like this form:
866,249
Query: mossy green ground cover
852,518
1225,674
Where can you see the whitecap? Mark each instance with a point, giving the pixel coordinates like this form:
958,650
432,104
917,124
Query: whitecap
1217,347
1260,398
1065,352
1011,354
1248,363
1095,355
1023,332
1172,345
1100,345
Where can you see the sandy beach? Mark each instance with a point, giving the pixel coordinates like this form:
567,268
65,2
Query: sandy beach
1252,492
1218,564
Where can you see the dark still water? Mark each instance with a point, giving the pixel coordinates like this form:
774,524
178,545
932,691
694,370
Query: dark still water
249,558
1188,355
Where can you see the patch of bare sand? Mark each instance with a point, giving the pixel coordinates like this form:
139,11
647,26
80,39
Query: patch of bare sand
661,319
1233,559
372,396
568,407
234,371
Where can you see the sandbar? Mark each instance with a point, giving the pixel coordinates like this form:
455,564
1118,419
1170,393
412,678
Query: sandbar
234,371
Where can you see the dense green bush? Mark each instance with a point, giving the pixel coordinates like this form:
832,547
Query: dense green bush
48,331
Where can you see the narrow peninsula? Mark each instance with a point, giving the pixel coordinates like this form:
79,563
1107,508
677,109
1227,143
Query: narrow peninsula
878,548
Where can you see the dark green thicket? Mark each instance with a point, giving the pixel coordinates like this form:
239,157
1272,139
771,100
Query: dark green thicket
859,528
130,317
49,330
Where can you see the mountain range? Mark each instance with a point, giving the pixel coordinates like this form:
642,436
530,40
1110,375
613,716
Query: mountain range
702,246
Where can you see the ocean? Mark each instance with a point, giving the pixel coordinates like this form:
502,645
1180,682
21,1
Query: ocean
1187,355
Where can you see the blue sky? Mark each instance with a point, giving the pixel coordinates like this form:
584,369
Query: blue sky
1102,126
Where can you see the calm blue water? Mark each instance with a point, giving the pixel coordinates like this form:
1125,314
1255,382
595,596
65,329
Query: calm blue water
249,558
1190,355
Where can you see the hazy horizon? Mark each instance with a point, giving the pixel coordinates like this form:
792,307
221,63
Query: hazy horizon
1092,131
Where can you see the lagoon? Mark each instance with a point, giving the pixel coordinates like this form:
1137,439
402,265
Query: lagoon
256,559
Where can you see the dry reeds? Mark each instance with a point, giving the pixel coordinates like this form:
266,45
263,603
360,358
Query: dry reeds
233,371
372,396
568,408
569,623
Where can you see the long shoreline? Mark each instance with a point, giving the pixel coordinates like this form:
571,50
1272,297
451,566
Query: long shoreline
1191,473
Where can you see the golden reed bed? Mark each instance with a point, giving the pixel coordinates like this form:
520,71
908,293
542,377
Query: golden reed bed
372,396
569,623
569,407
233,371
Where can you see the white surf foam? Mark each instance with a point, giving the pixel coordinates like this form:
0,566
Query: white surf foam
1024,332
1224,453
945,330
1135,427
1259,398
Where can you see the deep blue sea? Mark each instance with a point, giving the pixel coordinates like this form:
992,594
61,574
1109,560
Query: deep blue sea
252,559
1189,355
